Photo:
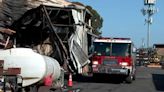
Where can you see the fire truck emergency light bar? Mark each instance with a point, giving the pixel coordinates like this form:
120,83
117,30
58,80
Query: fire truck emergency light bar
113,40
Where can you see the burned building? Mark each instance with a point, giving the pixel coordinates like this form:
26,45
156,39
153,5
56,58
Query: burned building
64,33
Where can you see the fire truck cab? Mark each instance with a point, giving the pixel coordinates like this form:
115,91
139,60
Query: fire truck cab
114,56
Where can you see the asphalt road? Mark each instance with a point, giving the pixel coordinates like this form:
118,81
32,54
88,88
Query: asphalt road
147,80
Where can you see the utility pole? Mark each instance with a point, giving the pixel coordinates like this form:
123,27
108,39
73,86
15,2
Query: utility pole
143,44
149,9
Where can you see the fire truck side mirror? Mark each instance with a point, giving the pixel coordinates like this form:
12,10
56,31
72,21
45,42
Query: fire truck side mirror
134,50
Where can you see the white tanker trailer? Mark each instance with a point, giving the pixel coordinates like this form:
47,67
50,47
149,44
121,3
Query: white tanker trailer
34,67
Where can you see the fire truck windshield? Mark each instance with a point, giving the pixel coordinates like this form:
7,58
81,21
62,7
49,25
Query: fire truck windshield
114,49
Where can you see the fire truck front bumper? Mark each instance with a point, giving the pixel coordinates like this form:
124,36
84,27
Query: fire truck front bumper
111,70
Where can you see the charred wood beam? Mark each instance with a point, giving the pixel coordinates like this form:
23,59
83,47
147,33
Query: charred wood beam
57,38
88,26
63,25
57,8
66,8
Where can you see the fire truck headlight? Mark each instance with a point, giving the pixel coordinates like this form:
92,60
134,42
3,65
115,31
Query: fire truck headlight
124,63
95,63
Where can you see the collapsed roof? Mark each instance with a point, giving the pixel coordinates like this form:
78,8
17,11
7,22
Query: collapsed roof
8,8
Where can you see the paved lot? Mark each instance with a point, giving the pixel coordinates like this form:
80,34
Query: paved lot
147,80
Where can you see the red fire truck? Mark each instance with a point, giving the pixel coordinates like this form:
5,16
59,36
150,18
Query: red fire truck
114,56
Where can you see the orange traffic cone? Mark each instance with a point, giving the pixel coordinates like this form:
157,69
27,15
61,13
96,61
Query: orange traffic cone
70,83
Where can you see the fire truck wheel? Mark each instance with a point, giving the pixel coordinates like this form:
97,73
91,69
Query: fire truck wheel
129,79
134,77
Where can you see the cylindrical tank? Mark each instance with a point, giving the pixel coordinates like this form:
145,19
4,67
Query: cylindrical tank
34,67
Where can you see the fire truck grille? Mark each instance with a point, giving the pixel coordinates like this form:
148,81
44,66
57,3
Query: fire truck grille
110,62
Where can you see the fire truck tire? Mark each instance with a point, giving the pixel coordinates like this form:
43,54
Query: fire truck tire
134,77
129,79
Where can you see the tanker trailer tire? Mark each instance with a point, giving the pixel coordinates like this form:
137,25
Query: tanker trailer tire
31,89
59,83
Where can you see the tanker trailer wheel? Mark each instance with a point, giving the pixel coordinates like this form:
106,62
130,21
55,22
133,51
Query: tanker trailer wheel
59,83
32,88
